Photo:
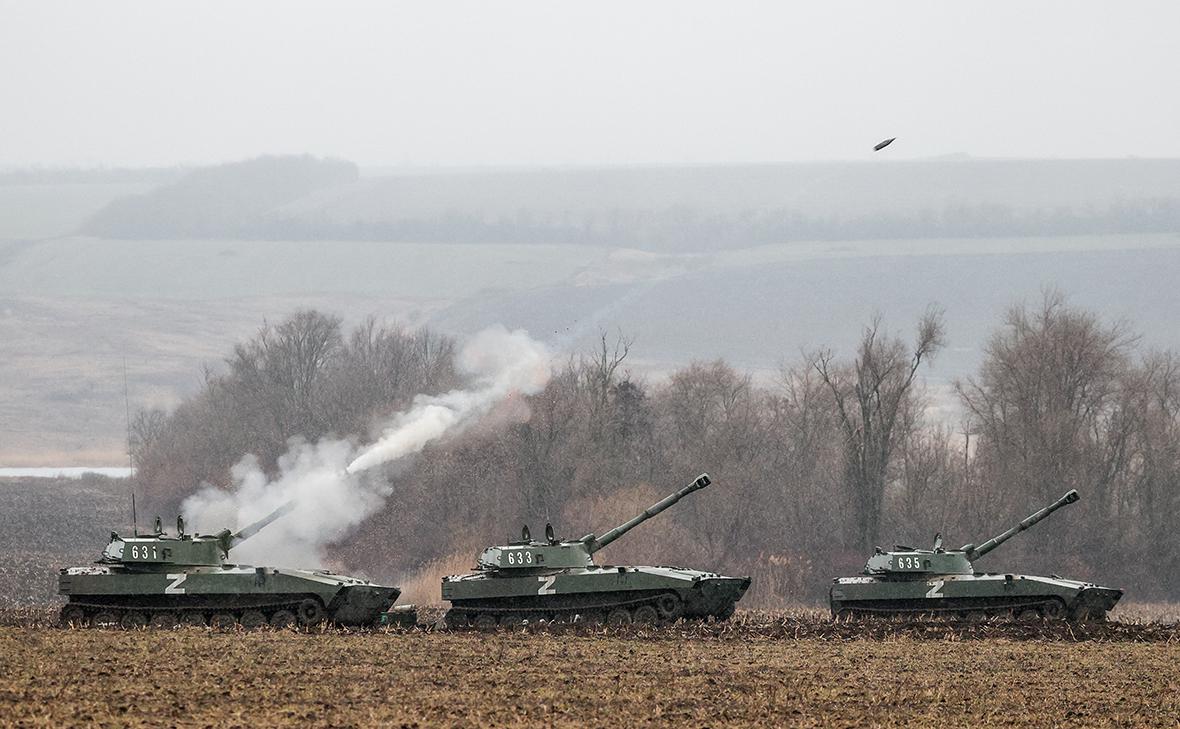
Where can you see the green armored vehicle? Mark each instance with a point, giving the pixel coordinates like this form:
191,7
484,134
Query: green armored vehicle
944,582
165,580
553,580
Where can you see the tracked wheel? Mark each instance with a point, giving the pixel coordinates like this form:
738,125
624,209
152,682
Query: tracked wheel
164,621
1054,610
646,614
670,606
72,616
283,619
511,620
485,622
193,619
252,620
456,620
223,621
132,619
1027,615
310,612
618,616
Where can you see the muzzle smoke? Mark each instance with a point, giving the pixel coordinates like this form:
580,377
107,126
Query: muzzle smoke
331,482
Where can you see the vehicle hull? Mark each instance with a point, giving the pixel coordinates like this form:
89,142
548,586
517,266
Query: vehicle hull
974,595
592,593
310,596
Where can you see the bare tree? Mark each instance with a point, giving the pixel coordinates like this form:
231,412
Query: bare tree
869,395
1053,408
1048,387
147,427
597,377
278,378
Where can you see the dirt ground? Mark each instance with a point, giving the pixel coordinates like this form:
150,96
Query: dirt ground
199,677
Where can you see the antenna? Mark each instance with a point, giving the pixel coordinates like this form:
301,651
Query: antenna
130,459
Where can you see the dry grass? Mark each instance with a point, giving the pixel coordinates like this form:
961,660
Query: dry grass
423,587
1147,612
417,678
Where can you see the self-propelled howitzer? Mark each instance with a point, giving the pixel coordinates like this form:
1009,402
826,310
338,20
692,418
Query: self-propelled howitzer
531,581
171,579
940,581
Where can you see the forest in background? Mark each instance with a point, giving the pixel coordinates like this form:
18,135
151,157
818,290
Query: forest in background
811,472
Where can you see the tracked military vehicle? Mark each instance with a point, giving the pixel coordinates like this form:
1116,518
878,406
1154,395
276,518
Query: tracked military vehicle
554,580
937,581
167,580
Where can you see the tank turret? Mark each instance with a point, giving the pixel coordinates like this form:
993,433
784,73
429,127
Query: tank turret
160,551
905,561
528,554
936,581
557,580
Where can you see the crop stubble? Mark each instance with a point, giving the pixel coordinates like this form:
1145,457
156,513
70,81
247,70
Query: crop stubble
50,676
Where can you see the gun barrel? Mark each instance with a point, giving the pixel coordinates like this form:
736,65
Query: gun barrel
248,531
597,543
978,551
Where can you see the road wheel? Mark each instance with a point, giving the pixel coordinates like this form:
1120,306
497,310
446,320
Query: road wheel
670,606
618,616
192,619
591,618
282,619
485,622
252,620
975,616
164,621
725,613
1027,615
105,619
534,620
456,620
1053,609
310,612
132,619
222,621
646,614
512,620
72,616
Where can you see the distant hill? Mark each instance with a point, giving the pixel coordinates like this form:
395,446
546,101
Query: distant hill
226,201
658,208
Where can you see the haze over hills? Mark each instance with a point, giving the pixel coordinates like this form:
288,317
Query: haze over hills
670,209
749,263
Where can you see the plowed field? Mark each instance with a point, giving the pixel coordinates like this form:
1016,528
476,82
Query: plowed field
417,678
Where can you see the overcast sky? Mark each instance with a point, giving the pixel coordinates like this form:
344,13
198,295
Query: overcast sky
554,83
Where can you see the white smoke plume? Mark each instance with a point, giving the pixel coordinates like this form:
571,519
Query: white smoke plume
327,481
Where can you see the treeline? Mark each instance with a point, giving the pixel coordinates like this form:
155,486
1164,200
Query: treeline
684,228
810,472
273,198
